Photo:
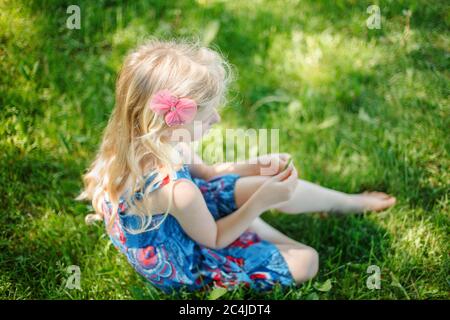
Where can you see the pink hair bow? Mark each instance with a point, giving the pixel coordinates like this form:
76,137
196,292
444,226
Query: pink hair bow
176,111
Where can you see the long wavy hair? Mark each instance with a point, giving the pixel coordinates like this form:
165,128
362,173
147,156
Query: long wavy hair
133,139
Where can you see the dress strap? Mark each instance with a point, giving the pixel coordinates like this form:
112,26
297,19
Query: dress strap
156,185
182,173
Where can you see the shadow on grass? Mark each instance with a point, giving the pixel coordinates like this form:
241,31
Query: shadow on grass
347,246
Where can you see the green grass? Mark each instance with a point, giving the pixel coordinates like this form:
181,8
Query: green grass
359,109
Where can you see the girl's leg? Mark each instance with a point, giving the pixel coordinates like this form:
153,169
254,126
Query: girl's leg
269,233
310,197
303,262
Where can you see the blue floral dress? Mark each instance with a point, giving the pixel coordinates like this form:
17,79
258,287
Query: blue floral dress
169,259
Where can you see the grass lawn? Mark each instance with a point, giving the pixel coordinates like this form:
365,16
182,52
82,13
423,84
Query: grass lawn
359,108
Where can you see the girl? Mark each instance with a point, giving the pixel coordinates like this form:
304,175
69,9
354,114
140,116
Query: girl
182,223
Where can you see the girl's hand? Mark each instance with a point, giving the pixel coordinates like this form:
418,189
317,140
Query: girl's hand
272,164
277,189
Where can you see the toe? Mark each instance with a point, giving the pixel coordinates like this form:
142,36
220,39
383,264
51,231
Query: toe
386,204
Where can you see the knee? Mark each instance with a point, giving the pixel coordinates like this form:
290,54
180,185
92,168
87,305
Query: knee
307,264
313,263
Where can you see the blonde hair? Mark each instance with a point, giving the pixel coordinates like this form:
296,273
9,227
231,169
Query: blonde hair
133,136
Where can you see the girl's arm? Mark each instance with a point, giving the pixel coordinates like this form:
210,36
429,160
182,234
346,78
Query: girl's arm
192,213
206,172
259,166
242,168
266,165
196,220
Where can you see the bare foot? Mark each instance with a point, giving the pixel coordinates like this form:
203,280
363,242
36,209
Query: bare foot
371,201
